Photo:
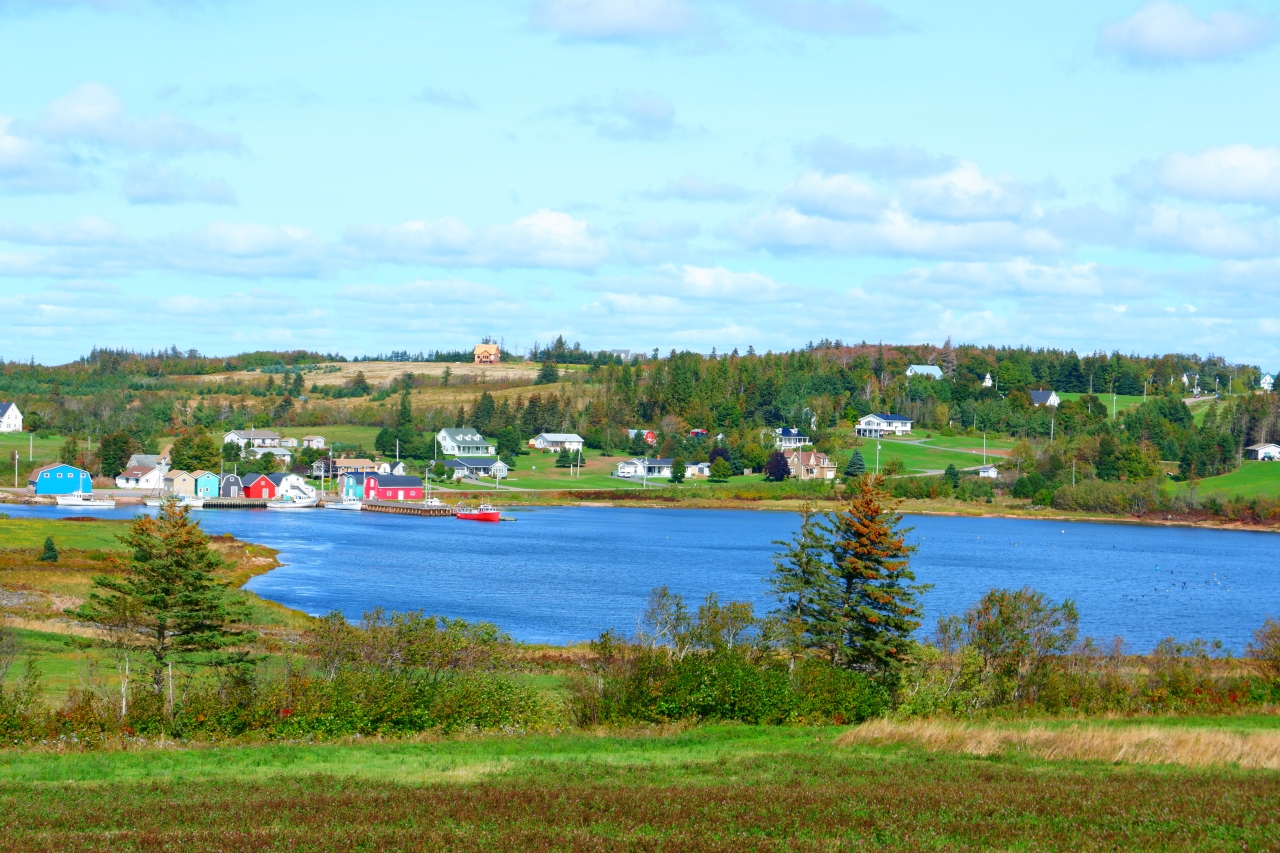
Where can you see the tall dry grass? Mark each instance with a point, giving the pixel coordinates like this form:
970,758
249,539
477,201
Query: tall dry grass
1128,745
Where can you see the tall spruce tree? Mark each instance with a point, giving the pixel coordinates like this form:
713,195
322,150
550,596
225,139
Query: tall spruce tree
803,583
857,465
166,603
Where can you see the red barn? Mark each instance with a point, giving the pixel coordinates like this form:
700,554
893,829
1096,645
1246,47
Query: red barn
392,487
258,487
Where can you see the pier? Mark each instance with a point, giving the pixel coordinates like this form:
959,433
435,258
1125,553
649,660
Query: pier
407,509
235,503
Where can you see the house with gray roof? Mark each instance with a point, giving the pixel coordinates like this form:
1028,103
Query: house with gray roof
930,370
10,418
466,441
1044,398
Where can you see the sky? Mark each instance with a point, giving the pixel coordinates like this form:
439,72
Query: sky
689,174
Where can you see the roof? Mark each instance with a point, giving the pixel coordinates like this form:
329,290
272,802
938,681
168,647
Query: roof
473,462
176,473
150,460
137,471
388,481
202,473
926,370
226,477
251,478
254,433
309,437
887,418
5,407
487,348
1262,446
808,457
1041,397
464,435
279,476
560,436
789,432
354,463
50,467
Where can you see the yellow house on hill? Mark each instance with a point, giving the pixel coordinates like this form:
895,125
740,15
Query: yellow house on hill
488,354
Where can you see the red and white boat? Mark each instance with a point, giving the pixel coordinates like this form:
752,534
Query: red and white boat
485,512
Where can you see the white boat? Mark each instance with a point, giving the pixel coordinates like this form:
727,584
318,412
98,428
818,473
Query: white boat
293,503
433,501
345,503
86,500
183,500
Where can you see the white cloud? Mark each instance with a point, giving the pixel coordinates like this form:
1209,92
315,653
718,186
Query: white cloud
964,193
626,115
614,20
26,165
244,249
691,187
547,238
1206,232
1162,31
718,283
894,234
85,231
149,184
828,154
1229,173
93,114
825,17
834,196
437,97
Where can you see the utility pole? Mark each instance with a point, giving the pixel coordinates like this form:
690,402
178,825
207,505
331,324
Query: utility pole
984,444
16,454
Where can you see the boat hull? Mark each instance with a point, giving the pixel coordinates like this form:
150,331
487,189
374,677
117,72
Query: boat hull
309,503
492,515
86,503
347,505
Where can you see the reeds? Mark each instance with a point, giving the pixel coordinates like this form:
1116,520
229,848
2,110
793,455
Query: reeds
1142,744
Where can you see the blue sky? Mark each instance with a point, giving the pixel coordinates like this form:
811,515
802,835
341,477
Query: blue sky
637,173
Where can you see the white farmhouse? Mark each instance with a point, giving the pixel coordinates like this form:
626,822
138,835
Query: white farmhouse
557,441
874,426
464,442
788,438
252,438
316,441
146,477
1268,382
1045,398
629,468
987,381
10,418
930,370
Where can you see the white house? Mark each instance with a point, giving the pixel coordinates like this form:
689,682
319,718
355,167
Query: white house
253,437
1262,452
292,486
557,441
477,467
146,477
986,381
288,442
316,441
1044,398
930,370
1267,382
10,418
788,438
697,469
874,426
629,468
463,442
991,472
278,452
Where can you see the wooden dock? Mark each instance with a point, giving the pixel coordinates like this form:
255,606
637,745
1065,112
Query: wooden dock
398,508
235,503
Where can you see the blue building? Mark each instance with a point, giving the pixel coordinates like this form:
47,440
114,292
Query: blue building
207,484
60,479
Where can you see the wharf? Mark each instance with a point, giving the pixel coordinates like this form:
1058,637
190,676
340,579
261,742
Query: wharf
235,503
398,508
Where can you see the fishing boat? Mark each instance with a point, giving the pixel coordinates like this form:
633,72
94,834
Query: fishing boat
346,503
432,501
183,500
293,503
485,512
86,500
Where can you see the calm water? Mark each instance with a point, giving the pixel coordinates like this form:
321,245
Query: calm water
562,574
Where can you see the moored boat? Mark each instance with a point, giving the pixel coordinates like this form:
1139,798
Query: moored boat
86,500
485,512
345,503
293,503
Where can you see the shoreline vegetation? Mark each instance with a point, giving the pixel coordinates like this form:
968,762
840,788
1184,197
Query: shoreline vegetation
819,725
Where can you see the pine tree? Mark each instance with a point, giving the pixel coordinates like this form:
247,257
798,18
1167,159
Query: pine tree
952,474
678,469
404,418
877,603
50,554
803,582
564,459
948,358
167,602
857,465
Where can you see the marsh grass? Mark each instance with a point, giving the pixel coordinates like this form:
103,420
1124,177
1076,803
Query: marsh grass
1136,744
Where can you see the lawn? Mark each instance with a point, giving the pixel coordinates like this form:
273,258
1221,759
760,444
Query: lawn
337,434
594,475
970,442
917,458
1122,401
720,788
84,535
1250,480
43,451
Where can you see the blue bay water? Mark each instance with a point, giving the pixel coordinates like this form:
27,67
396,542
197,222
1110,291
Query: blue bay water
562,574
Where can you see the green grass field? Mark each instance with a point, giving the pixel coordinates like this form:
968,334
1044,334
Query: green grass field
716,788
42,450
31,532
1122,401
916,457
337,434
1251,479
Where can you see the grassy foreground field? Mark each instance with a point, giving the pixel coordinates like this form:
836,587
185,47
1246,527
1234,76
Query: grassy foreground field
711,788
1250,480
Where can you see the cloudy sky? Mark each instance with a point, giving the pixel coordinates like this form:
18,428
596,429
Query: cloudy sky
364,177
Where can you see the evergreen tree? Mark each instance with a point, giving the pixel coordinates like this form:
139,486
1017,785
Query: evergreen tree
877,604
114,452
548,374
857,465
404,417
952,475
50,554
564,459
167,602
483,413
678,469
721,469
802,580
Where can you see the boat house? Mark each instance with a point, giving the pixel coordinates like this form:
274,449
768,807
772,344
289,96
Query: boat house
207,484
60,479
